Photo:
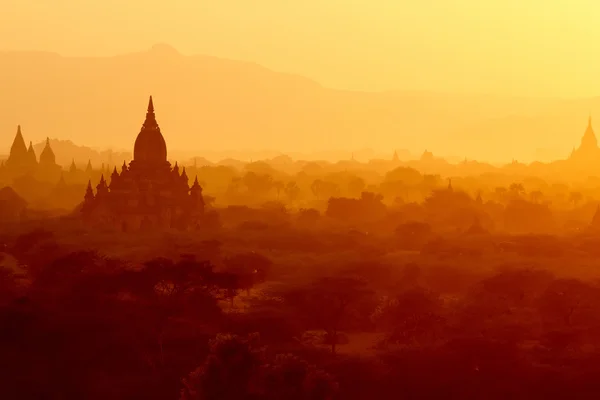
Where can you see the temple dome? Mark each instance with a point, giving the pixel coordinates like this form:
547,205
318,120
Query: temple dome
150,146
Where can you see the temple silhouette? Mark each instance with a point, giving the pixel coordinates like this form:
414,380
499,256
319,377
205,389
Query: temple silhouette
148,193
588,152
22,161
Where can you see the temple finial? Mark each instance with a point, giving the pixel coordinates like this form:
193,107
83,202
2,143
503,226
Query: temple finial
150,105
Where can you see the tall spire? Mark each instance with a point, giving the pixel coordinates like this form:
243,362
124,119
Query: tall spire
196,186
18,150
184,176
150,146
150,121
89,192
31,154
589,141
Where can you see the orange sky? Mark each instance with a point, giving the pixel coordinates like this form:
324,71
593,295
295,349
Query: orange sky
524,47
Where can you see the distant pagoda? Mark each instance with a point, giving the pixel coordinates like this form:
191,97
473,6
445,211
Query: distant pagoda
588,151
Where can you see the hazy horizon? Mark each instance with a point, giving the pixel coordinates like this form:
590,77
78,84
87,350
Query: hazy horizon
504,109
495,83
507,47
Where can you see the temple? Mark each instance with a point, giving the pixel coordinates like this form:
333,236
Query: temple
22,161
588,151
148,193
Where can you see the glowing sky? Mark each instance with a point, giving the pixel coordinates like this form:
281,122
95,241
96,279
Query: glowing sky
523,47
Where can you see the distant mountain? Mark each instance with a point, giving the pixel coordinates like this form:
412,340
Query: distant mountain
207,103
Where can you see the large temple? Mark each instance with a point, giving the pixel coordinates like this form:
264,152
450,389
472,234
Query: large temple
148,193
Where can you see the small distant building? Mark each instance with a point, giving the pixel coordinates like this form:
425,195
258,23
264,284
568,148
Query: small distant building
588,151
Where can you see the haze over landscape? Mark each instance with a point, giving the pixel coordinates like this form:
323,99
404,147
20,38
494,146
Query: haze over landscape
495,83
310,200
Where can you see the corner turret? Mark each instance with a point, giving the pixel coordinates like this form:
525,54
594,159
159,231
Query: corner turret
89,192
31,158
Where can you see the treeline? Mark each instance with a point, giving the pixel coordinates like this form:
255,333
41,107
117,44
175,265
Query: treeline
76,324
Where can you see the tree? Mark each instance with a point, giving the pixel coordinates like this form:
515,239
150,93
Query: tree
330,303
575,198
251,268
356,186
308,216
324,189
501,193
516,189
229,372
229,285
233,189
409,176
291,378
316,188
258,185
536,196
166,293
278,186
412,316
292,191
238,368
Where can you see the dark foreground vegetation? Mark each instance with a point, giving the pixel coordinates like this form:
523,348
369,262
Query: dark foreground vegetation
292,311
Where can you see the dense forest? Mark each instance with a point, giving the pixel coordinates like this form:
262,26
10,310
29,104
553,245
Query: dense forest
363,300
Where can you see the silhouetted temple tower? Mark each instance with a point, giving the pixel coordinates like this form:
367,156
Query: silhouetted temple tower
150,147
588,151
148,194
18,158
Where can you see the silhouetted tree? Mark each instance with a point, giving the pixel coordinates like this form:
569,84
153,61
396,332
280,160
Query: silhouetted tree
229,372
292,191
330,302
